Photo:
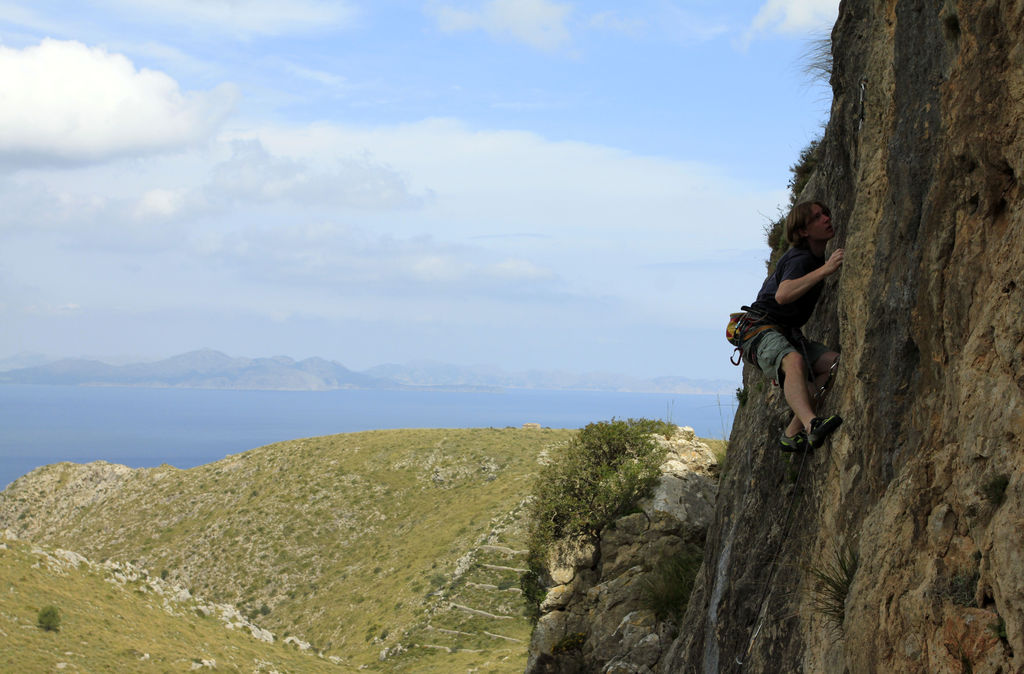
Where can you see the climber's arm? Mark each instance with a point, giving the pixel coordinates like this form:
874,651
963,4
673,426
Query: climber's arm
793,289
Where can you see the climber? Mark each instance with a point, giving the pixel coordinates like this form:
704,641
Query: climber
802,368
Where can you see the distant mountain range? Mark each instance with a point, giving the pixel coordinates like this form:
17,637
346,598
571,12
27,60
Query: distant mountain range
211,369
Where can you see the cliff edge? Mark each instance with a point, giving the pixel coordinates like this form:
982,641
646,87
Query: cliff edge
914,509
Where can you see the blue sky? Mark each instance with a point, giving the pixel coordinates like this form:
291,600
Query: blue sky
531,184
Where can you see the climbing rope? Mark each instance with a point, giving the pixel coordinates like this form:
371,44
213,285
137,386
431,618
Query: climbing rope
785,530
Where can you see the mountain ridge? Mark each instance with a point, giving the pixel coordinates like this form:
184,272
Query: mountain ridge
212,369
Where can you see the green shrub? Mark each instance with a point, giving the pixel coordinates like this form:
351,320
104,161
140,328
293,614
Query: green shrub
834,578
599,476
49,618
802,170
666,589
533,592
741,395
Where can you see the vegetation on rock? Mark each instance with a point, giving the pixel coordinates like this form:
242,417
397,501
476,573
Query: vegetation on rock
801,172
667,590
597,477
832,584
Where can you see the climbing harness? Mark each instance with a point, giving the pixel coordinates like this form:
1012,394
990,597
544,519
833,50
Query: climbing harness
744,326
771,570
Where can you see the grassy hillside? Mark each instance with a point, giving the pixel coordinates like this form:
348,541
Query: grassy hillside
113,623
405,542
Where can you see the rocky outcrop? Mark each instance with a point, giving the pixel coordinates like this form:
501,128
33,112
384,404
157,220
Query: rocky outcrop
921,492
596,617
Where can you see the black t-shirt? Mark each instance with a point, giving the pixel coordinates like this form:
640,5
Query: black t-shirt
795,263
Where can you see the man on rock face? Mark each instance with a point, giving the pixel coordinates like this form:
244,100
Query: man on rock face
786,302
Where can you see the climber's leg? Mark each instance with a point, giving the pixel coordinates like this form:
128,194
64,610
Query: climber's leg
798,396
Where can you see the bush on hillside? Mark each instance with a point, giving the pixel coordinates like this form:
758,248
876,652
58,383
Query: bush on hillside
598,477
49,618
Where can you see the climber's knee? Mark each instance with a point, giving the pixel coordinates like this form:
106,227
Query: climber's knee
826,362
792,367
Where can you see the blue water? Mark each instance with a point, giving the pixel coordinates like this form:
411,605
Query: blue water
142,427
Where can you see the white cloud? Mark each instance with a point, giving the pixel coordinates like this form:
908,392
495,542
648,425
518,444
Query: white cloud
613,21
16,14
251,17
794,17
274,217
160,203
538,23
492,179
519,269
66,309
64,102
595,214
321,77
253,174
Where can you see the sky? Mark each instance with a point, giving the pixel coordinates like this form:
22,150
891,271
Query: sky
527,184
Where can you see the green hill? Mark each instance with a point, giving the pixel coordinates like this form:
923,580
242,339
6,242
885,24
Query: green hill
113,621
404,543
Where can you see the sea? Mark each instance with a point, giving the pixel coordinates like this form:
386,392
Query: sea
146,427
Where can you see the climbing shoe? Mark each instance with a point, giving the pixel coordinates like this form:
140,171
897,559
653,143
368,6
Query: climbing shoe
821,428
797,443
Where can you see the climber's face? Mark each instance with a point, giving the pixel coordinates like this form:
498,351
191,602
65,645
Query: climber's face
819,227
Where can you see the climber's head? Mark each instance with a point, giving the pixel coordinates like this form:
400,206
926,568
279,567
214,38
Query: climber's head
809,220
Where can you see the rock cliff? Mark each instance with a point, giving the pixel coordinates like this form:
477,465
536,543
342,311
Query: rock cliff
915,509
596,618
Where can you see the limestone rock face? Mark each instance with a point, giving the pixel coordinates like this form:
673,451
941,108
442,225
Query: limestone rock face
923,484
595,619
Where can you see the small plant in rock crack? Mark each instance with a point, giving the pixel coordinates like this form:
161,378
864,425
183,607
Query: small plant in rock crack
962,587
570,643
833,579
741,395
666,589
995,489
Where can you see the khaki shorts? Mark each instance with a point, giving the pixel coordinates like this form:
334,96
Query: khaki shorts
773,347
